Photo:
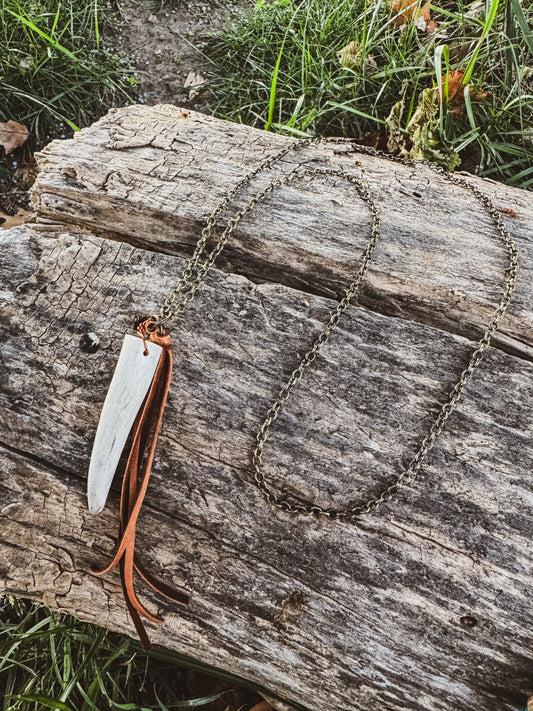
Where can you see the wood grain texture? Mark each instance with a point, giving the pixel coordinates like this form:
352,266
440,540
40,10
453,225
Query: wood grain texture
149,176
380,624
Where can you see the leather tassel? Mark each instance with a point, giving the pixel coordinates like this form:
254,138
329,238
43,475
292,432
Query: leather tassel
134,484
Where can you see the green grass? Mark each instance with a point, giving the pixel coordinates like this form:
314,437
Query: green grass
48,660
279,69
56,72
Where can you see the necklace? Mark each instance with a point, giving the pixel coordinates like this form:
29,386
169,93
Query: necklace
128,397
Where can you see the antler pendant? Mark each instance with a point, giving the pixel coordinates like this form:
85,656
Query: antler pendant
137,396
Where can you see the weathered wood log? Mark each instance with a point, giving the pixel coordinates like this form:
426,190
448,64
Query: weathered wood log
382,622
150,177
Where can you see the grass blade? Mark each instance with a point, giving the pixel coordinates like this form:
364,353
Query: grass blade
96,29
272,100
41,33
346,107
486,29
93,649
442,51
527,32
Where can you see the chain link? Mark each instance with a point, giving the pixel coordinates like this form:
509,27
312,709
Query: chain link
198,266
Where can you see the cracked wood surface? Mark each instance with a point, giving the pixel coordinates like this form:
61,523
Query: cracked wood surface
150,176
380,626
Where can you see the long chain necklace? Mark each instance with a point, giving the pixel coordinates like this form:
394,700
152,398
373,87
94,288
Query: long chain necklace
195,273
154,336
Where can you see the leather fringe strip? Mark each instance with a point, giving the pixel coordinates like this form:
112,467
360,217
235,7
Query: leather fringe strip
134,485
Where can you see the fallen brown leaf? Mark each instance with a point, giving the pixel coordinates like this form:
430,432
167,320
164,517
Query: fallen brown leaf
410,11
455,81
12,135
456,97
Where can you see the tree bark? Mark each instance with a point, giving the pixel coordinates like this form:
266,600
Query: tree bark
323,613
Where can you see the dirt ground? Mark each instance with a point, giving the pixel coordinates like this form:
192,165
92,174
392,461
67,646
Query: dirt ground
165,45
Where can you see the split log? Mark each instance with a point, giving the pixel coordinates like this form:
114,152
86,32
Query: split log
323,613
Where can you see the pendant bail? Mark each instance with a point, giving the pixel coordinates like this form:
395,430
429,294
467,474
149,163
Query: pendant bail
144,330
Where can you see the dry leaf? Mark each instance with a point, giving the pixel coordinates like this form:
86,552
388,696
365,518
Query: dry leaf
420,139
12,135
7,221
455,81
350,57
262,706
192,82
410,11
456,97
193,79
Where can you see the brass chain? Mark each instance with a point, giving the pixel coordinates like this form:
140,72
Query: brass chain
196,270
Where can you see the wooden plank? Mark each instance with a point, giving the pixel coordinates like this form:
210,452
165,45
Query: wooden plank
149,176
381,621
